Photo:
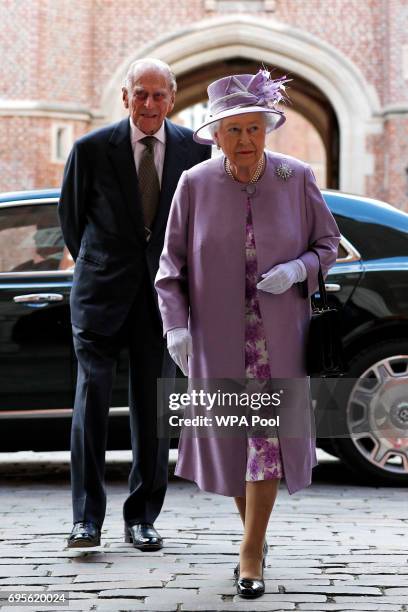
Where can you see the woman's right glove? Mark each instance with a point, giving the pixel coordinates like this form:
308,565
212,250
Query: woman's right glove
180,346
280,278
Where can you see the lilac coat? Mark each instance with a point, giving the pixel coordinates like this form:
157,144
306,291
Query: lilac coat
201,285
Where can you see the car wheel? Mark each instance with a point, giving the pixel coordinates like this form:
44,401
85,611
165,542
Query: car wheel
374,414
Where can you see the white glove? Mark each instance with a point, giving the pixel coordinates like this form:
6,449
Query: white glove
280,278
180,346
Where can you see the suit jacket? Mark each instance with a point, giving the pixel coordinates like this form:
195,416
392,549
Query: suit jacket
102,220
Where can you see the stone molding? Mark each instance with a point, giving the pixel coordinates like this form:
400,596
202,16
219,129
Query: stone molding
241,5
355,101
38,108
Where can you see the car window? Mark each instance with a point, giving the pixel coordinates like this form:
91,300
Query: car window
31,239
374,240
341,252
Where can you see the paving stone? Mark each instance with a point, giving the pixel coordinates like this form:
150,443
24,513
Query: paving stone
16,570
370,569
16,553
383,580
145,576
332,547
71,569
380,607
101,586
287,584
398,600
112,605
185,582
368,557
397,591
238,605
292,597
120,604
71,608
31,561
127,564
331,590
31,580
174,594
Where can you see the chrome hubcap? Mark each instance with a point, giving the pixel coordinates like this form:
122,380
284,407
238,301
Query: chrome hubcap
377,414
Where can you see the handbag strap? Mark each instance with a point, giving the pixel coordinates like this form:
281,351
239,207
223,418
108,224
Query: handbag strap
322,288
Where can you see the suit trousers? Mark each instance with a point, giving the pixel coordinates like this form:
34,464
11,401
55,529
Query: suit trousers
148,360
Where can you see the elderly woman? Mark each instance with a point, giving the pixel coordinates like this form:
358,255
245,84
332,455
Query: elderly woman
234,280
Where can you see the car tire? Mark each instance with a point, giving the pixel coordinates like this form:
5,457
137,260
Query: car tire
373,398
327,446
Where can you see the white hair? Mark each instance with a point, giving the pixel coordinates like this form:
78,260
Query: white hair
270,122
149,63
214,127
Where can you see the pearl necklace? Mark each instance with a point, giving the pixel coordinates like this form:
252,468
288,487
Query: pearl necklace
256,175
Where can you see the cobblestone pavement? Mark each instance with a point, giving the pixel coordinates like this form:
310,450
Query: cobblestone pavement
334,546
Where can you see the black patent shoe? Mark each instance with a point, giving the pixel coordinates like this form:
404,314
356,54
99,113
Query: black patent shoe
143,536
264,554
250,588
84,534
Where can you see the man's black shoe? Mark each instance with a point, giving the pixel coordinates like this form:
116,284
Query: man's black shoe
84,534
143,536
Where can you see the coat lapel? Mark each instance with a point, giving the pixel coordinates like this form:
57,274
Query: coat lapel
175,161
121,156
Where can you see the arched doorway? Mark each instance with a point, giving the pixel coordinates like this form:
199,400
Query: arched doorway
311,132
329,87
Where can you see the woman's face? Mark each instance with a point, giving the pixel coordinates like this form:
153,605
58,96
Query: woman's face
242,138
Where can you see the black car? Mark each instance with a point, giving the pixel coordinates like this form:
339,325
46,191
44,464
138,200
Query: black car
369,284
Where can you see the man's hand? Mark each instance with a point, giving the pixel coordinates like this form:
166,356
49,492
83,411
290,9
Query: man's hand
180,346
280,278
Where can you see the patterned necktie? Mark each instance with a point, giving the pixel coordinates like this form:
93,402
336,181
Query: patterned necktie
149,184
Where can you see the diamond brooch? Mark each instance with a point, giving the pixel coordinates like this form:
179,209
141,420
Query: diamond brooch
284,171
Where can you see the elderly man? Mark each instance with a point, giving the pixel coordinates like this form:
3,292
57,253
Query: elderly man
117,189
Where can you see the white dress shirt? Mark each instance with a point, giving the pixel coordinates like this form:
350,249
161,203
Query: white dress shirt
136,136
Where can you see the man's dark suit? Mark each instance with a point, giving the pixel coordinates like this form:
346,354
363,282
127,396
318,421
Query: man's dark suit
113,302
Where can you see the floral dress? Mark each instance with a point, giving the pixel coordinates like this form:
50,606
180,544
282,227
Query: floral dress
264,460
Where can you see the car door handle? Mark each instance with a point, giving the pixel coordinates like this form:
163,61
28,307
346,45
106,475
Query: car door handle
38,298
332,287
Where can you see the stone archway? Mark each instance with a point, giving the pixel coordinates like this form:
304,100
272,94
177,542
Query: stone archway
353,100
304,98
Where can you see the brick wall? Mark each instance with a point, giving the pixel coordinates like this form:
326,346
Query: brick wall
26,152
66,51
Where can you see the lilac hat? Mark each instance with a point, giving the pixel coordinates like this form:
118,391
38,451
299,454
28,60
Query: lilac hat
243,93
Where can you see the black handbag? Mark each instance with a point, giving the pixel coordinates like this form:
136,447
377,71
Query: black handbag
324,349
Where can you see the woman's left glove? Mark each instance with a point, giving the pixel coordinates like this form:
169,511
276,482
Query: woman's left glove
280,278
180,346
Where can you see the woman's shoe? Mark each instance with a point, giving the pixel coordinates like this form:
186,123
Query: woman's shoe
264,554
250,588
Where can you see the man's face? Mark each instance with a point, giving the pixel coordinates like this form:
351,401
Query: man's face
149,99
